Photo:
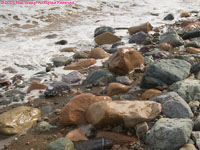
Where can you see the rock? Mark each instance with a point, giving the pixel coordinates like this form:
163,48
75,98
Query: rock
173,106
4,82
146,27
61,42
141,38
169,134
141,129
35,85
49,67
189,58
103,29
195,44
95,144
106,38
194,105
172,38
123,80
196,138
72,78
98,53
61,144
51,36
195,68
80,55
68,49
157,54
56,88
150,93
186,14
81,64
197,124
10,70
61,61
165,46
115,45
193,50
124,61
169,17
128,113
117,138
44,126
112,50
188,147
188,89
76,135
99,78
74,110
192,34
18,120
148,60
165,71
117,88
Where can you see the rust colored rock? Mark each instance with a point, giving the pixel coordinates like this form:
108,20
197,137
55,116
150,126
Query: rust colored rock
146,27
193,50
165,47
74,111
117,88
150,93
127,113
36,85
76,135
81,64
98,53
106,38
117,138
186,14
124,61
68,49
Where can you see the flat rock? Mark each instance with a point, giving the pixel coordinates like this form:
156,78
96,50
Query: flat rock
61,61
193,50
173,106
106,38
61,144
192,34
68,49
98,53
81,64
80,55
165,71
117,88
169,134
128,113
18,120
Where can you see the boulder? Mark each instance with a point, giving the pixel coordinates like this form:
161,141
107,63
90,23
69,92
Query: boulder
74,111
98,53
18,120
106,38
35,85
61,144
169,134
81,64
124,61
146,27
165,71
128,113
173,106
117,88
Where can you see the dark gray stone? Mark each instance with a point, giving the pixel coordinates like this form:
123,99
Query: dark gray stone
171,37
61,42
56,88
123,79
112,50
115,45
103,29
169,134
193,44
165,71
61,61
197,124
195,68
51,36
141,38
192,34
73,78
99,78
157,54
61,144
173,106
169,17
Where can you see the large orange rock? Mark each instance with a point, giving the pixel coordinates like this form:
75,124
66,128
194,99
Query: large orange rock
36,85
127,113
146,27
117,88
117,137
150,93
74,110
193,50
76,135
106,38
125,60
81,64
98,53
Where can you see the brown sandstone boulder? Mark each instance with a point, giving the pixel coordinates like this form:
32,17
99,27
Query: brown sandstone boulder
117,88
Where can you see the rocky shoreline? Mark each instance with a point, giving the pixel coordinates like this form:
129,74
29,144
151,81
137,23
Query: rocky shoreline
143,95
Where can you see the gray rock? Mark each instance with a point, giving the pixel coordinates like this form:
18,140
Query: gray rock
51,36
171,37
197,124
173,106
103,29
141,38
44,126
61,144
80,55
188,58
99,78
112,50
56,88
115,45
61,42
141,129
157,54
123,79
195,68
188,89
165,71
73,78
193,44
169,17
169,134
61,61
148,60
192,34
196,138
